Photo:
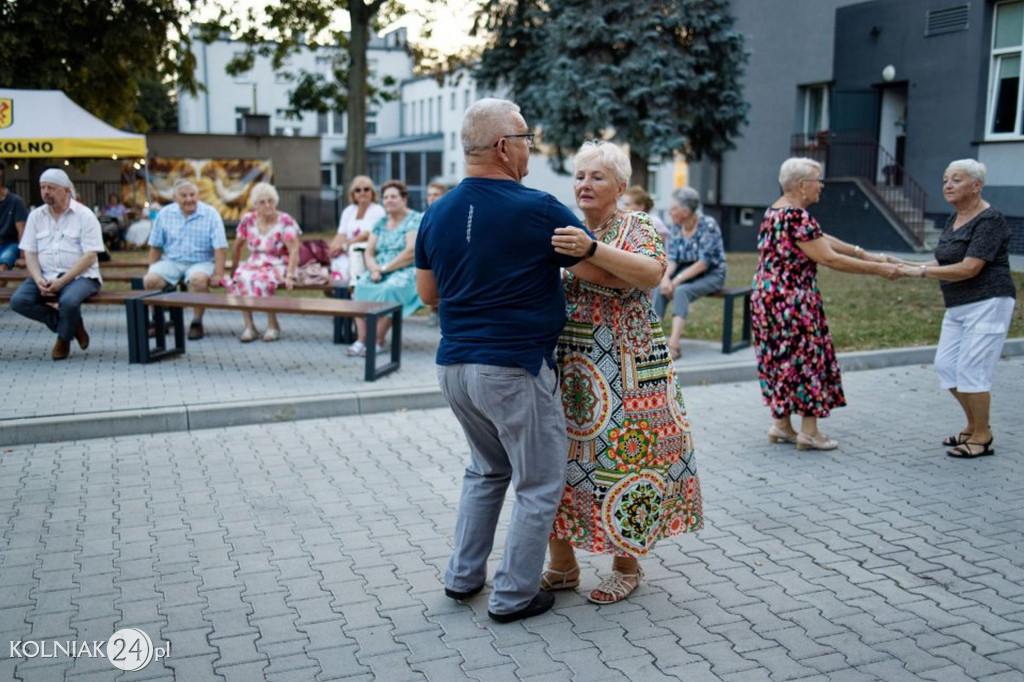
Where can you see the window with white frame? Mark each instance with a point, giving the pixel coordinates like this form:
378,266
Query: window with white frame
371,122
1006,94
815,114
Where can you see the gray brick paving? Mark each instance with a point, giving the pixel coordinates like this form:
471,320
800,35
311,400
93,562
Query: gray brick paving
313,550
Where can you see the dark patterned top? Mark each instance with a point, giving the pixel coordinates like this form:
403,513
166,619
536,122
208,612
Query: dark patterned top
985,236
705,244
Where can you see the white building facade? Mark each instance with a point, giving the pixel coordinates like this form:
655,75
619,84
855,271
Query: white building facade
415,137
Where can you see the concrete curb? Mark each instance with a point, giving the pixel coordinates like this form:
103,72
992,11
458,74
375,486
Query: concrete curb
210,416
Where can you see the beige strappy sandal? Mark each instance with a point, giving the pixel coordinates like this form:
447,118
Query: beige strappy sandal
553,580
618,586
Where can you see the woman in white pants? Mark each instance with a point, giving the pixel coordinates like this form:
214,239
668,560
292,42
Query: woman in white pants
972,265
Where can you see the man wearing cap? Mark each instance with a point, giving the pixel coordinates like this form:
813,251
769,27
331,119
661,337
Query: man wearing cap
62,240
187,242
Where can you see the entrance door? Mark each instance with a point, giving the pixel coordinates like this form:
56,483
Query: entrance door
854,119
892,128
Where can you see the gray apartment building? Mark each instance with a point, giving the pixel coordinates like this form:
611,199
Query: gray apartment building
885,93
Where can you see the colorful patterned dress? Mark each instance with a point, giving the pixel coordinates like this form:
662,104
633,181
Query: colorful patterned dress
265,268
632,478
796,362
400,285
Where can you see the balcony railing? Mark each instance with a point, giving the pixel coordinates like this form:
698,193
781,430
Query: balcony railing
859,155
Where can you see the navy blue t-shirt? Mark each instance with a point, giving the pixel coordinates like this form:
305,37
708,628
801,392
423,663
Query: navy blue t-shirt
488,243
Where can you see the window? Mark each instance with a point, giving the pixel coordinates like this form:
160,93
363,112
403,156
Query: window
815,109
1005,97
452,146
371,122
440,104
240,113
455,97
331,123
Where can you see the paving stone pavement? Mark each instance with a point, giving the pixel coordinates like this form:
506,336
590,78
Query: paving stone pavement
313,550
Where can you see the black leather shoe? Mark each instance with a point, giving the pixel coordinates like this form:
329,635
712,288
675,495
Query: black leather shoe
541,602
455,594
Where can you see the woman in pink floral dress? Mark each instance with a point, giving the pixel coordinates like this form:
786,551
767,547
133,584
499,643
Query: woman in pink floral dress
273,240
796,362
631,479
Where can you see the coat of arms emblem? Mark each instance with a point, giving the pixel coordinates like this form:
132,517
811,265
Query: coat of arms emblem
6,112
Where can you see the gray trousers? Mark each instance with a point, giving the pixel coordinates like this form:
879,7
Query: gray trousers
29,302
515,427
690,291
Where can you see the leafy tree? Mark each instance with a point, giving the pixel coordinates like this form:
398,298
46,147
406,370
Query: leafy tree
156,106
96,51
280,30
662,75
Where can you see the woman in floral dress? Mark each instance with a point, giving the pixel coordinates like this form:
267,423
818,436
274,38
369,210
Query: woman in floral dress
273,240
796,362
631,478
389,273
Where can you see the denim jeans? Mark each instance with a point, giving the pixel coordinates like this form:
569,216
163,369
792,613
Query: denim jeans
27,301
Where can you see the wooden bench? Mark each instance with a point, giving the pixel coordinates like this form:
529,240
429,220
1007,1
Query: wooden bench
337,308
127,297
730,296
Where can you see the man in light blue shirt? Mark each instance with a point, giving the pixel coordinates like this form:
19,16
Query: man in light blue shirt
187,242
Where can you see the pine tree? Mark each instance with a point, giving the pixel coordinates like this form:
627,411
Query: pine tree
662,76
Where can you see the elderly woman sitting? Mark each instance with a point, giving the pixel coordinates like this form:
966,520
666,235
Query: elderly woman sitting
273,240
696,264
389,273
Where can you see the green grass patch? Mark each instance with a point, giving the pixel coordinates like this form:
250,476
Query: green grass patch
864,312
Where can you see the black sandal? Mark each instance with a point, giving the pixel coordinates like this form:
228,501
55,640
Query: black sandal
958,439
963,451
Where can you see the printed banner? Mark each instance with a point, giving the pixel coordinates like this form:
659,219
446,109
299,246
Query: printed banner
224,184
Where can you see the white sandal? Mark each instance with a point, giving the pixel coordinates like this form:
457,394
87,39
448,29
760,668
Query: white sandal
618,586
357,348
272,335
553,580
248,334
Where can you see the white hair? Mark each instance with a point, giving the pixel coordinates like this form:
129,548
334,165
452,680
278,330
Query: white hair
610,156
975,169
261,190
184,182
795,169
687,197
486,120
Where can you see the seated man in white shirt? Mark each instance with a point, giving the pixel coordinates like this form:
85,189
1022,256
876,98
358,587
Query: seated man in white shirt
62,241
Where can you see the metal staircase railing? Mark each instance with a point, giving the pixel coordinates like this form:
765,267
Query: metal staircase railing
859,155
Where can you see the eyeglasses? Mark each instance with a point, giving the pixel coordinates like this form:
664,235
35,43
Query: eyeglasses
526,136
362,189
820,181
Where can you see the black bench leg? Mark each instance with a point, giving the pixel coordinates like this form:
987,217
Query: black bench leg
727,325
138,340
370,373
344,331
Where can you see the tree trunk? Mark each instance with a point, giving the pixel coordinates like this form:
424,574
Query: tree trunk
358,73
640,172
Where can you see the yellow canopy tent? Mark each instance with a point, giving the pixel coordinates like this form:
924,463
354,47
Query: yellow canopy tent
46,123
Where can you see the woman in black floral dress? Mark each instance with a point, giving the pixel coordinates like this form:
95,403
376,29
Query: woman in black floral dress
796,362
